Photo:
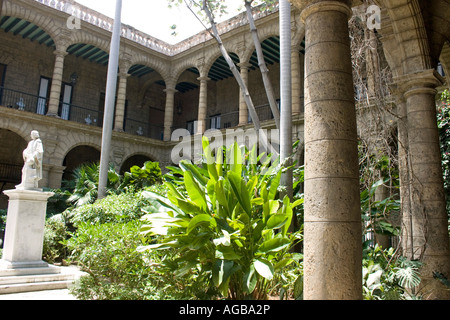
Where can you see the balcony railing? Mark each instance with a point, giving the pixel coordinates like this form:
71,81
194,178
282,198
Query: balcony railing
23,101
32,103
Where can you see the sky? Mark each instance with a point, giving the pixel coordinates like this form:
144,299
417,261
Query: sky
155,18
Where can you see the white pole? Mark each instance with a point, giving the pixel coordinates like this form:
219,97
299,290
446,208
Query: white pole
110,95
285,90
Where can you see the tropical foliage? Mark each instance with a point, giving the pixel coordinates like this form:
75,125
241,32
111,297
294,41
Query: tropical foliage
225,220
443,120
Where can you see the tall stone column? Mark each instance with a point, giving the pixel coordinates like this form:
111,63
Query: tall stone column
297,80
55,91
426,237
202,105
332,224
243,110
121,99
168,115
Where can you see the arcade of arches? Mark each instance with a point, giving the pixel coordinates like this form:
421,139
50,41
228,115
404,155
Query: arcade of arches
52,79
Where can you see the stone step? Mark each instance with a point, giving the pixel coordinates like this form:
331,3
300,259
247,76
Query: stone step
37,286
37,279
29,271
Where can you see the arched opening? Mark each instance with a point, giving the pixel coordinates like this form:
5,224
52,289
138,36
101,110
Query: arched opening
145,102
11,162
186,100
136,160
77,157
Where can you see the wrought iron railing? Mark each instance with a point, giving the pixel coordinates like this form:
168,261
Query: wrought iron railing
23,101
19,100
143,129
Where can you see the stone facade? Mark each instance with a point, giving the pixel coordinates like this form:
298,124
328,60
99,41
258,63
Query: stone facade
148,107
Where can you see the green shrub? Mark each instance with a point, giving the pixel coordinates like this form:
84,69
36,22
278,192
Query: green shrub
115,269
387,276
119,208
55,233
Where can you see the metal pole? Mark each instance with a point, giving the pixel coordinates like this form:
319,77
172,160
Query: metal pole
285,91
111,86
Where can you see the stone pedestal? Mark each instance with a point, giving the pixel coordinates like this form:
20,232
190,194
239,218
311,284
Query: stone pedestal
24,234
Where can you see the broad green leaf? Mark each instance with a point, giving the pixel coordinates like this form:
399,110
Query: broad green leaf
222,271
220,194
174,190
274,245
200,219
276,221
196,194
270,208
188,206
240,191
195,172
257,201
236,159
227,253
298,202
219,162
274,186
250,280
212,170
287,209
264,268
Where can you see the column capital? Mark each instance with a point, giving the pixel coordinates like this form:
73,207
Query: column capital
203,78
60,53
244,65
170,90
123,74
424,81
309,7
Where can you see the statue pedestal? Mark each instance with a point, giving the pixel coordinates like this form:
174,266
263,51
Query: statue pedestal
24,233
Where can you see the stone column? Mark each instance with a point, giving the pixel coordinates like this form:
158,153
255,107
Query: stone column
297,80
426,227
24,234
202,104
121,99
168,115
332,223
55,91
243,110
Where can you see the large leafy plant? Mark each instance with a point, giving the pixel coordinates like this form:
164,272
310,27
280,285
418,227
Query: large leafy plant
225,221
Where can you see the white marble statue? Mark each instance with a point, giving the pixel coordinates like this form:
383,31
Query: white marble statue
32,168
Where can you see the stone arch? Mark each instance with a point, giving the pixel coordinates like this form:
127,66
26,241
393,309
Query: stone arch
182,67
86,38
157,66
410,43
215,58
137,159
46,23
77,156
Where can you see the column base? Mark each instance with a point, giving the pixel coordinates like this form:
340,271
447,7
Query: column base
10,268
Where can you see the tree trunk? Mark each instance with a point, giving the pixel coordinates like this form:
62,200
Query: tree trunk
262,64
233,68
